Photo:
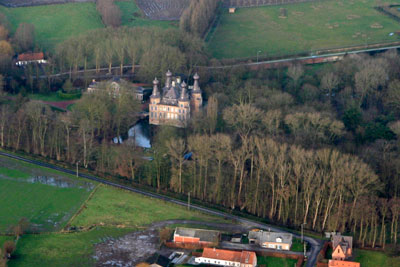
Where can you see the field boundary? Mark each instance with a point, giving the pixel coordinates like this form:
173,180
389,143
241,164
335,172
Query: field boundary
255,3
82,207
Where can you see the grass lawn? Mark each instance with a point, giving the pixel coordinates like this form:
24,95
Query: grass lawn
59,249
47,202
369,258
111,207
55,23
308,27
297,245
51,97
275,262
132,16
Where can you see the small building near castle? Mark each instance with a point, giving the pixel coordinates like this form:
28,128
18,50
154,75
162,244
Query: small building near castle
174,104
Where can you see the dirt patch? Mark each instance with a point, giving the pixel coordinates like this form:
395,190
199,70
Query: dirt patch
351,17
376,25
128,250
298,13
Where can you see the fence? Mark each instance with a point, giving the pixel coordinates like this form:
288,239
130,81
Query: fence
24,3
257,3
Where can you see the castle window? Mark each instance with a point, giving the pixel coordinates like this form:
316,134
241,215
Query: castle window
183,111
181,105
151,108
151,114
155,108
180,117
168,108
179,110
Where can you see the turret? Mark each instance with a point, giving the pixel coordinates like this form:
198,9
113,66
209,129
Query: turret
196,86
196,100
168,79
184,93
155,93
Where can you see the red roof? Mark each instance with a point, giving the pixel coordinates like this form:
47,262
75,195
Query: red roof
30,56
247,257
336,263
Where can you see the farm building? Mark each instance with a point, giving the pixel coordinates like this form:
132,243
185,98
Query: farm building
221,257
267,239
196,236
114,85
174,103
29,58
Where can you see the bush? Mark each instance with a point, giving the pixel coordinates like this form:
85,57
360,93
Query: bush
69,96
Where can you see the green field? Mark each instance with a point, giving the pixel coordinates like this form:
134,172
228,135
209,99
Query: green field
307,27
55,23
47,202
111,211
374,258
132,16
61,249
113,207
275,262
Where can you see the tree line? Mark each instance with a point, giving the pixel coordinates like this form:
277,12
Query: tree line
196,19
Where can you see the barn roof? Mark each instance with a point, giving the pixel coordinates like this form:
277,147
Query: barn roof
204,235
266,236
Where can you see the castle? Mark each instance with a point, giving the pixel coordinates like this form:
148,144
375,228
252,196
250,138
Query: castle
174,104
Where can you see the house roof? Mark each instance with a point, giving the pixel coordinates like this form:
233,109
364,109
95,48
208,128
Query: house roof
266,236
335,263
204,235
246,257
345,241
30,56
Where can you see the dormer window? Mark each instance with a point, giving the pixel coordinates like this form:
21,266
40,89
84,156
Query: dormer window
279,240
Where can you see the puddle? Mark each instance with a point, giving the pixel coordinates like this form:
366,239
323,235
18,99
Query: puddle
60,182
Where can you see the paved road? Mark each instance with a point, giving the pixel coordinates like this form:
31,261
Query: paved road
315,244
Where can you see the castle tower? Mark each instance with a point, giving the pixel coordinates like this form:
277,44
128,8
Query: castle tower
155,99
184,104
196,100
168,79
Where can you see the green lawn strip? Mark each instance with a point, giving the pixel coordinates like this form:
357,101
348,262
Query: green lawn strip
297,246
12,173
132,16
308,27
368,258
55,23
275,262
62,249
110,206
50,97
46,207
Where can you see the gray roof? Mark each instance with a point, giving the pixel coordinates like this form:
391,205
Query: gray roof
266,236
345,241
204,235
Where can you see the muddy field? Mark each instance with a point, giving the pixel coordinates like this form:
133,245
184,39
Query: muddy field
130,249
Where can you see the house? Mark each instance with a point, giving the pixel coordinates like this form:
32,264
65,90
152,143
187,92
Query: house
232,10
157,260
174,104
342,247
337,263
221,257
196,236
267,239
28,58
114,87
